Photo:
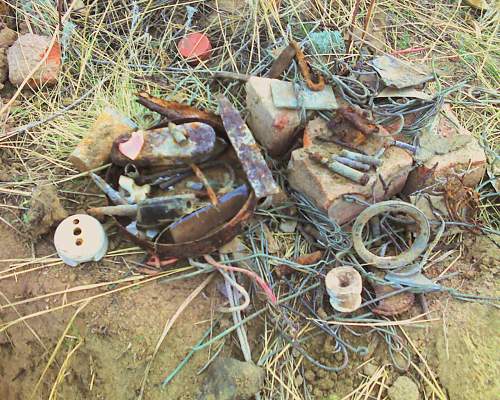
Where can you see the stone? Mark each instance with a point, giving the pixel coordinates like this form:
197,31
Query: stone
25,54
404,389
273,128
446,148
4,67
310,375
370,369
327,189
45,210
7,37
230,379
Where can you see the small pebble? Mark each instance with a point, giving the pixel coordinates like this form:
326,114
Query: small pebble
404,389
370,369
309,375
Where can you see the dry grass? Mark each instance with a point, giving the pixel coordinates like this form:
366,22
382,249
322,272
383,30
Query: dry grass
113,49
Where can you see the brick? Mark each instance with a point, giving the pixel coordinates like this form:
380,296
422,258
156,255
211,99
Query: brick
459,152
272,127
327,189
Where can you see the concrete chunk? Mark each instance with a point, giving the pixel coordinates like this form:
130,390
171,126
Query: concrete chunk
272,127
446,149
327,189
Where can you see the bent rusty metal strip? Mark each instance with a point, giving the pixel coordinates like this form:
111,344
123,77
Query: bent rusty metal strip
179,113
258,173
193,248
306,71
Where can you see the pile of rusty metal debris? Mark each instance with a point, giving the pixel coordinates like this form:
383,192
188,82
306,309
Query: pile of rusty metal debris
343,145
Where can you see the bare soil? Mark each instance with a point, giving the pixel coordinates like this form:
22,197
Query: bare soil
118,332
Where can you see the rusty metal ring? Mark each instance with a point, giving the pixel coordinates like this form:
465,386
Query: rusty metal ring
391,262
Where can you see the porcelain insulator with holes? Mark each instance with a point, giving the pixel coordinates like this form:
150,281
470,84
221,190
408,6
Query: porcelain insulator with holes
344,286
80,238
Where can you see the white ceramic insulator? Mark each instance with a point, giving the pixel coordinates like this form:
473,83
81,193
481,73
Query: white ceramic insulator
344,286
80,238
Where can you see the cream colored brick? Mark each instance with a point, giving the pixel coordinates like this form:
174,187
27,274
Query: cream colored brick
273,128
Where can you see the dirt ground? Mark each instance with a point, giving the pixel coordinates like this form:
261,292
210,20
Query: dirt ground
117,333
114,336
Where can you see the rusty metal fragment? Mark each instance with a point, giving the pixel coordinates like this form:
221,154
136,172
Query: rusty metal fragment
391,262
258,174
282,63
399,74
210,242
392,305
352,125
179,113
160,148
204,220
285,96
306,71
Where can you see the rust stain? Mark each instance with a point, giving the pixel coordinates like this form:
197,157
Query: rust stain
281,122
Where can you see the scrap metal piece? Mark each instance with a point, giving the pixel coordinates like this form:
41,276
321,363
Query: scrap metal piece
342,169
376,162
284,96
352,163
202,221
352,125
305,70
113,195
398,74
359,118
281,63
414,280
391,262
160,147
406,146
150,213
179,113
213,240
122,210
148,234
258,173
157,212
391,305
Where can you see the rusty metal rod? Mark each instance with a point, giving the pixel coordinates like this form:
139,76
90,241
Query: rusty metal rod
405,146
352,163
348,173
117,211
114,195
362,158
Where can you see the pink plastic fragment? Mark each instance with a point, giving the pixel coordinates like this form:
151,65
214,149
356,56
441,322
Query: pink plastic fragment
132,147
